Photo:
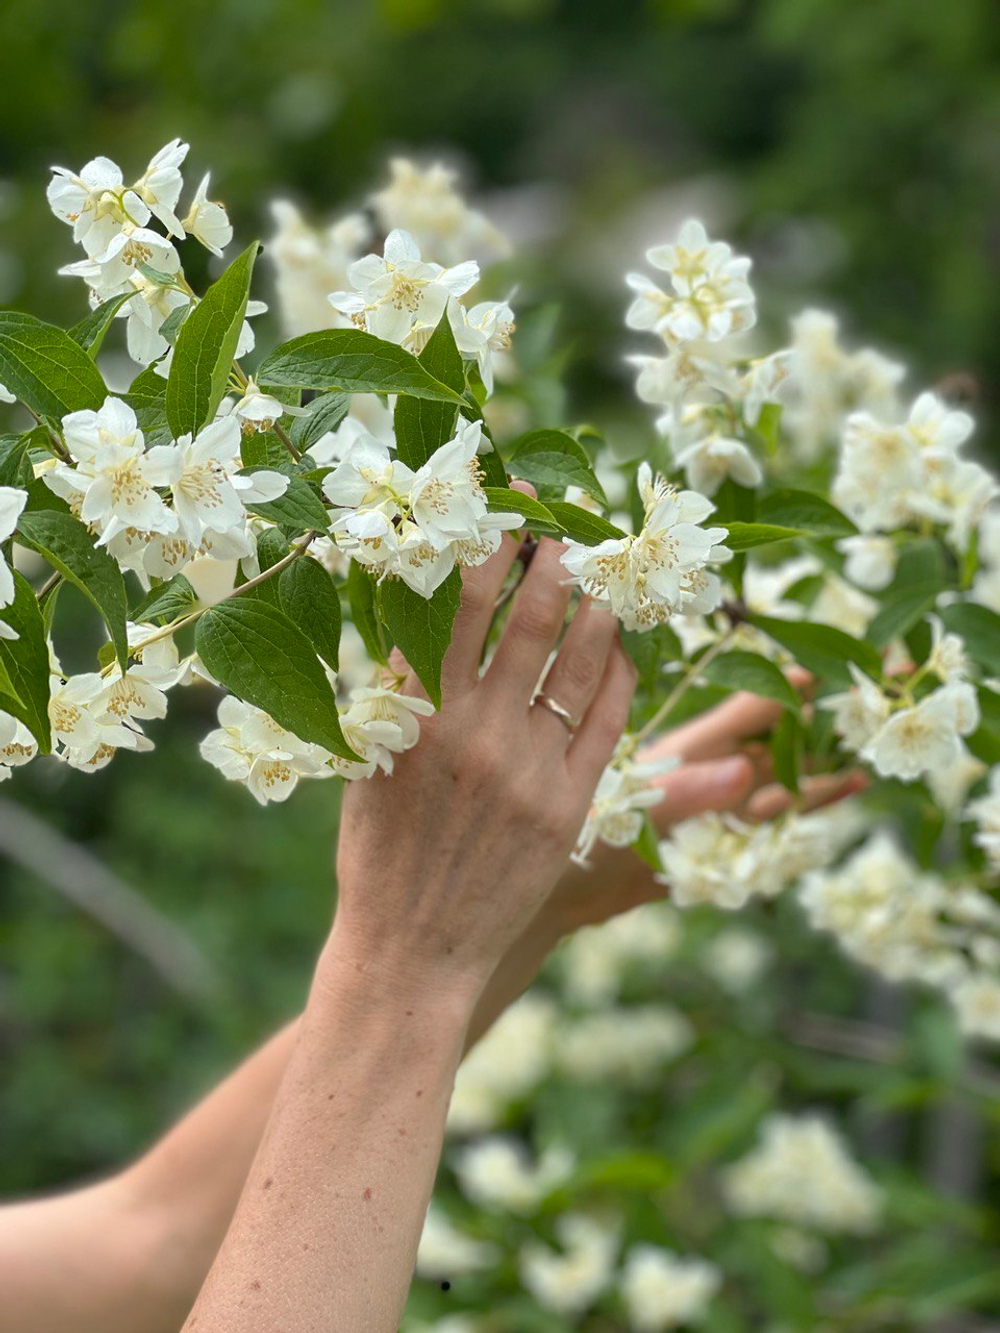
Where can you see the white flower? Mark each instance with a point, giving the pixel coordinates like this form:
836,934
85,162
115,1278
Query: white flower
711,297
378,724
482,332
860,712
258,411
114,481
498,1173
308,264
94,202
595,961
85,730
159,187
505,1066
871,560
763,383
445,1252
628,1046
947,657
151,305
208,222
424,202
646,579
17,745
802,1172
924,737
12,502
956,495
569,1282
708,462
249,746
398,296
736,958
976,999
6,396
662,1290
986,812
624,792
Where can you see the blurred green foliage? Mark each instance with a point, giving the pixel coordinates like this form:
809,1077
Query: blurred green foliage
857,147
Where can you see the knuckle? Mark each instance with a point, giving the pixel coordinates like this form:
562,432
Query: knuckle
537,618
473,601
581,669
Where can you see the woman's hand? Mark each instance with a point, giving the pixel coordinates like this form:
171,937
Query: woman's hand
721,766
443,864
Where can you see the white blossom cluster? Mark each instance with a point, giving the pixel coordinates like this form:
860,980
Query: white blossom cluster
911,925
802,1172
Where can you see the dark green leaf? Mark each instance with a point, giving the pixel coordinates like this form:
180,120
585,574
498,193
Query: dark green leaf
299,509
15,464
43,367
807,512
421,626
325,414
361,596
147,398
352,360
171,326
552,460
918,582
309,598
649,650
422,425
258,654
582,525
166,602
90,331
741,670
69,547
743,536
821,649
980,628
500,500
206,345
264,449
26,664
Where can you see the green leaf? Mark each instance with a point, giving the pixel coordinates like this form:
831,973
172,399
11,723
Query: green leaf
821,649
309,598
743,536
166,602
361,593
648,650
272,546
325,414
552,460
980,629
44,368
809,513
647,845
205,347
581,524
299,509
500,500
421,425
90,331
264,449
918,582
421,626
741,670
171,326
147,398
351,360
15,464
69,547
258,654
25,663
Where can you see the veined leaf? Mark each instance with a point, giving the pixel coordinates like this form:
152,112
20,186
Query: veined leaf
90,331
821,649
325,414
743,536
166,602
15,463
69,547
205,347
309,598
583,525
809,513
421,424
300,508
361,594
257,653
739,670
553,460
43,367
354,361
147,398
25,663
421,626
500,500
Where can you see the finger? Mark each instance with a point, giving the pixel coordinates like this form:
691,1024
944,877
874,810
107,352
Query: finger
719,730
533,626
816,792
605,720
573,678
694,789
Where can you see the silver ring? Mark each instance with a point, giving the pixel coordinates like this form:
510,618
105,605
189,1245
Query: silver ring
557,710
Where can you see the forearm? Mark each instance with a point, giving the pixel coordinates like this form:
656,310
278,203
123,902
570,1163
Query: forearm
326,1231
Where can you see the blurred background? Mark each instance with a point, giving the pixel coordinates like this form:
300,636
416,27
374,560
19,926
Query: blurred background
854,151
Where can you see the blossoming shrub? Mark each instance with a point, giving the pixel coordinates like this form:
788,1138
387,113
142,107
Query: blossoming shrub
277,527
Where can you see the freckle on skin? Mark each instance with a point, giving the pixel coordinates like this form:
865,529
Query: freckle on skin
255,1286
409,1013
402,1133
268,1182
420,1092
367,1194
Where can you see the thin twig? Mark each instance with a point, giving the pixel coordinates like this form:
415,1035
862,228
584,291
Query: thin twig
90,885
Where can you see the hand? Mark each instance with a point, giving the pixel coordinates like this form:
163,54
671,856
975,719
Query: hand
442,865
721,767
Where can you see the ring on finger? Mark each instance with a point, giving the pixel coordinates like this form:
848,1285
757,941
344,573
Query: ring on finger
557,710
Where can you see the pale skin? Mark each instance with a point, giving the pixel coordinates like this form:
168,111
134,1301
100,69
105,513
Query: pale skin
293,1196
